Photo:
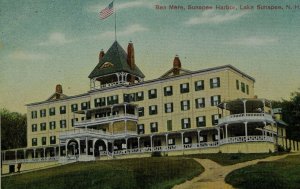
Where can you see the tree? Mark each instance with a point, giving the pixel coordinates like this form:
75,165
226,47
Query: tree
291,114
13,129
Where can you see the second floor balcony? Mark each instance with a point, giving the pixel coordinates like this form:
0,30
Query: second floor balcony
105,120
246,117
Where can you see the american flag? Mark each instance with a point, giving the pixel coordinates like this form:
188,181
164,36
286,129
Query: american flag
109,10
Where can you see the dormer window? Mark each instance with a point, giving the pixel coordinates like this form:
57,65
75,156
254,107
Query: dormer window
106,65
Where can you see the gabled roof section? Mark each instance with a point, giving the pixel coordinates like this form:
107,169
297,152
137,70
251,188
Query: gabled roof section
57,96
115,60
170,72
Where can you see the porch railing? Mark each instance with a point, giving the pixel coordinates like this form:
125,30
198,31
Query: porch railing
243,116
201,145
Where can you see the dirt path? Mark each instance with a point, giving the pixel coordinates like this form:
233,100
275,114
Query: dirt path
214,175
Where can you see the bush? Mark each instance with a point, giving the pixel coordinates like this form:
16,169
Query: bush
280,148
156,154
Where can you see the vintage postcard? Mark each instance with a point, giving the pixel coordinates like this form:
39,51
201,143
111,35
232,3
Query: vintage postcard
150,94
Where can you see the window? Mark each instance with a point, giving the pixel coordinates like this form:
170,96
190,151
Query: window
153,127
141,129
73,121
62,123
169,125
243,87
215,82
215,118
85,105
53,140
168,91
141,111
152,110
200,103
152,93
112,100
43,113
34,127
34,114
168,107
140,96
185,123
99,102
199,85
184,88
62,109
44,140
52,125
247,89
215,100
34,141
201,121
74,107
43,126
187,140
171,141
185,105
237,85
52,111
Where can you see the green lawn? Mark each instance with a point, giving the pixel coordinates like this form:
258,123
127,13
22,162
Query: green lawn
230,159
160,172
279,174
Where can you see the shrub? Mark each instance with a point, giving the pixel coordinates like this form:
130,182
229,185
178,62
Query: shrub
156,154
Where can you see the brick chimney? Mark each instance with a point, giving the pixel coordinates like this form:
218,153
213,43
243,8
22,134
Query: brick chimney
130,55
58,91
101,54
176,65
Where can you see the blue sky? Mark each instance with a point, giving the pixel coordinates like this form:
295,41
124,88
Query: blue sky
46,42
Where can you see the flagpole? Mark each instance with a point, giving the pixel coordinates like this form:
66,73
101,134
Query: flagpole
115,22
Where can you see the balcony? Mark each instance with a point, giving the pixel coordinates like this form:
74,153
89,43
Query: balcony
248,117
105,120
77,133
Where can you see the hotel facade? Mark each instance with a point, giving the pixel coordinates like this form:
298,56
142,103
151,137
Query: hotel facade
182,112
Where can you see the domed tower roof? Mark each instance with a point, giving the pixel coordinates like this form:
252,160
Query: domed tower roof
113,61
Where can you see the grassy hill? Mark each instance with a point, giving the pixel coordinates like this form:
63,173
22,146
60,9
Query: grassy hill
160,172
284,173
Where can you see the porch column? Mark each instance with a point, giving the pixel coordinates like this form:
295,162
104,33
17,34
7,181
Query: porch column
16,155
244,102
113,148
44,152
66,146
125,111
24,151
138,142
246,131
79,150
263,131
106,143
93,147
167,141
151,142
33,153
182,140
226,131
59,151
86,146
199,137
126,142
